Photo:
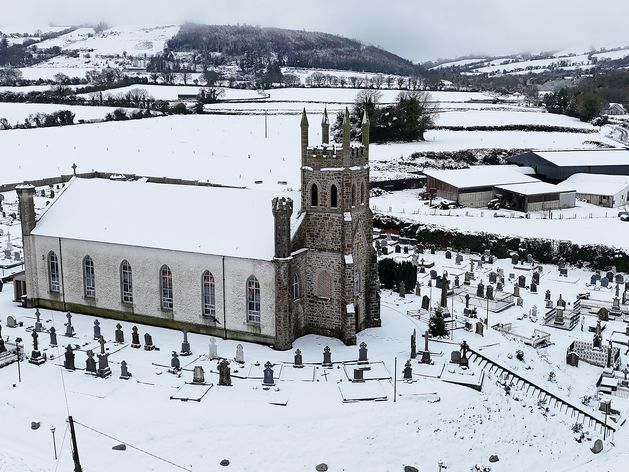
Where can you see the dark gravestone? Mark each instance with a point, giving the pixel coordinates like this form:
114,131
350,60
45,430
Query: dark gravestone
185,345
327,357
4,349
68,362
522,281
466,279
480,290
448,255
148,342
480,328
38,326
492,277
455,357
124,372
198,375
533,287
457,283
135,338
119,335
358,376
53,336
268,374
561,302
414,345
103,365
604,282
426,353
398,249
174,362
90,363
572,359
514,259
535,277
593,279
405,249
298,362
408,371
490,292
96,329
224,373
69,328
385,250
11,323
458,259
425,302
547,295
467,300
362,353
516,291
464,348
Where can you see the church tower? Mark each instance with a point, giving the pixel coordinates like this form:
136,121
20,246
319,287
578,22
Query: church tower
342,281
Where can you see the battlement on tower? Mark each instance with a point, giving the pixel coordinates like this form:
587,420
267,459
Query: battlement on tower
332,154
282,204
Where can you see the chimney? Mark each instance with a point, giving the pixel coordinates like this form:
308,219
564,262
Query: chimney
26,194
282,211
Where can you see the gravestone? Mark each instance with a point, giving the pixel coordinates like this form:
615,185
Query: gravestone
529,259
561,302
135,338
358,376
455,357
402,289
522,281
492,277
547,295
268,375
533,287
148,342
174,362
572,358
468,251
119,335
90,363
385,250
36,356
433,249
466,279
224,373
425,302
185,345
519,301
516,291
620,279
198,375
408,371
418,290
563,272
2,346
514,259
593,279
490,292
480,328
68,362
464,348
433,274
405,249
444,292
240,354
53,336
415,259
467,300
499,285
398,249
298,361
610,276
535,277
124,372
448,255
426,353
101,342
362,353
604,282
414,345
213,349
458,259
69,328
104,370
96,329
492,259
327,357
480,290
38,325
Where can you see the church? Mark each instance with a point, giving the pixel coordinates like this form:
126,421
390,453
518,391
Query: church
236,263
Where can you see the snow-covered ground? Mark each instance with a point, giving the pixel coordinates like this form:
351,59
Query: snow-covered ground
18,112
302,421
171,92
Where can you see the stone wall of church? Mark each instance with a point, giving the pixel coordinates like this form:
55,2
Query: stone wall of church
187,270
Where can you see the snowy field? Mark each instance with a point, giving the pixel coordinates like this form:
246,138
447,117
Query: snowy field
18,112
171,92
302,421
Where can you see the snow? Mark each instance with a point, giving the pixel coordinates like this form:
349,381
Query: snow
18,112
597,184
460,63
480,176
141,223
66,41
601,157
502,117
496,66
171,92
535,188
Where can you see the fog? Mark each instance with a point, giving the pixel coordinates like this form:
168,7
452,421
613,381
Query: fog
414,29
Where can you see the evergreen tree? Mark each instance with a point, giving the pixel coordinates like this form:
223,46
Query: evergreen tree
437,325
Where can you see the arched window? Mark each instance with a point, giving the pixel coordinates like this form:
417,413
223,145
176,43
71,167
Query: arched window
362,192
334,197
296,287
166,278
126,282
53,272
209,294
253,299
353,195
324,284
314,195
89,281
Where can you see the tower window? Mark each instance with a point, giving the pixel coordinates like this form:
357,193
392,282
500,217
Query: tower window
314,195
324,284
334,197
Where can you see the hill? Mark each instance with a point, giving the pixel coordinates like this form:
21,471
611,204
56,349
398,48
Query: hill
253,46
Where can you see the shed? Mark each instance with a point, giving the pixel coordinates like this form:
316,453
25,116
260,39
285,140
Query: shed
600,189
537,196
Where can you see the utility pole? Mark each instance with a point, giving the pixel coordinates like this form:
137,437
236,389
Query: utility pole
75,449
17,351
54,443
265,124
395,381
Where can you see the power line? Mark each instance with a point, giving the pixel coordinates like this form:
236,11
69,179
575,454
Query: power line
61,448
133,447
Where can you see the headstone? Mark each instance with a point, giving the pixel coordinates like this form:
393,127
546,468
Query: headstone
467,300
398,249
414,345
402,289
604,282
533,287
466,279
593,279
432,249
198,375
433,274
101,342
68,362
522,281
358,376
96,329
2,346
535,277
362,353
490,292
185,345
224,373
516,291
455,357
480,290
135,338
529,258
457,283
492,277
444,292
124,372
514,259
547,295
464,348
36,356
418,290
597,447
610,275
480,328
213,349
620,279
90,363
148,342
11,323
533,312
119,335
298,361
468,251
561,302
69,328
385,250
448,255
415,259
327,357
405,249
458,259
408,371
499,285
425,302
268,374
174,362
103,365
53,336
240,354
426,353
38,325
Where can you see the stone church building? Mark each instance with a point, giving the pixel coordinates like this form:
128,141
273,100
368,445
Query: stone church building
236,263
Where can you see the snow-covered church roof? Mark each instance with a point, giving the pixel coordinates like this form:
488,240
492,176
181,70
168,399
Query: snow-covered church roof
207,220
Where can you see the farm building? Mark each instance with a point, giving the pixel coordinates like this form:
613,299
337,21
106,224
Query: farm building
600,189
474,186
556,166
536,196
615,109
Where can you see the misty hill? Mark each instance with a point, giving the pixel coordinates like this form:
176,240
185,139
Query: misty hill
254,46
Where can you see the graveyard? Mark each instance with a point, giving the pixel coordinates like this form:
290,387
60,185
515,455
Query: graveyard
512,376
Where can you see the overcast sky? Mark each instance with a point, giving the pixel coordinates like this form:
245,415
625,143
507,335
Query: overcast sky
415,29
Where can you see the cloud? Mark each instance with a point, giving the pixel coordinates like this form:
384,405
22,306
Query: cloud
415,29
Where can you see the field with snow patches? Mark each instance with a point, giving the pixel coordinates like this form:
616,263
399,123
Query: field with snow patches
171,92
303,421
18,112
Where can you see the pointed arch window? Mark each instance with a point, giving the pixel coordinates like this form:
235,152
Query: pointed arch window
54,284
296,286
334,197
314,195
253,299
126,282
209,294
166,279
89,279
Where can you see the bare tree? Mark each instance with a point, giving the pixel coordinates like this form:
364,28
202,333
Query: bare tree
377,81
389,81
